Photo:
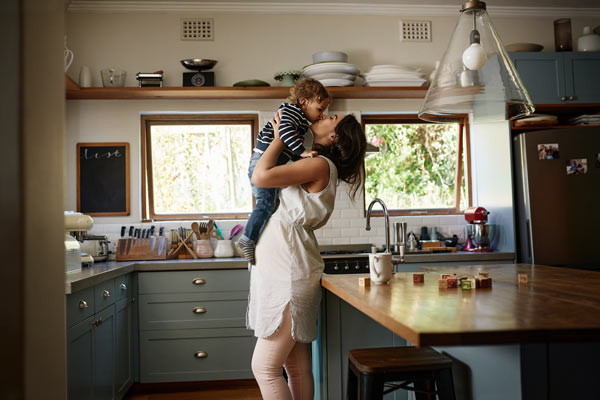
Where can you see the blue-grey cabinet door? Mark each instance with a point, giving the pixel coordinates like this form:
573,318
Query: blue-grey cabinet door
104,351
582,72
543,76
80,360
124,348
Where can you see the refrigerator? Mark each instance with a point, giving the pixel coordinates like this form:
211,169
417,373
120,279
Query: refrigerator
557,197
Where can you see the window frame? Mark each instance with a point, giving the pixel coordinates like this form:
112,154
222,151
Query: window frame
464,146
147,121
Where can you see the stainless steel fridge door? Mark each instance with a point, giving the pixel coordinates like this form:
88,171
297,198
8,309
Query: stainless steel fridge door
558,215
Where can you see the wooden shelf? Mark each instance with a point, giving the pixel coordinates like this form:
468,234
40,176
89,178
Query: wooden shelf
248,93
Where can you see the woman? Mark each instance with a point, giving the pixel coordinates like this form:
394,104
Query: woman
285,287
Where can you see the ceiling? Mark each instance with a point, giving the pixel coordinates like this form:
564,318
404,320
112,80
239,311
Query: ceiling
494,3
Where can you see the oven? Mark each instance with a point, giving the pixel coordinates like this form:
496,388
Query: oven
346,262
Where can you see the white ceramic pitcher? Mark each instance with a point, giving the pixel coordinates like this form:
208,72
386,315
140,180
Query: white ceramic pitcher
381,267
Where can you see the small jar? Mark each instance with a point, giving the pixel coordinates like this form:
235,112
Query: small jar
224,248
203,249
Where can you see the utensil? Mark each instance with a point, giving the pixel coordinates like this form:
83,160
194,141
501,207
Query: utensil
209,227
196,230
198,64
219,234
236,229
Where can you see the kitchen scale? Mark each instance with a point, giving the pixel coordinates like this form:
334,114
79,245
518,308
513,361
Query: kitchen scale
200,77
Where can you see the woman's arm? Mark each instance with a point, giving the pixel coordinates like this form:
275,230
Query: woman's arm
313,172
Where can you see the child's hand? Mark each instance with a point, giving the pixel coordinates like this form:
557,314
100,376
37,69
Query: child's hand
276,121
308,154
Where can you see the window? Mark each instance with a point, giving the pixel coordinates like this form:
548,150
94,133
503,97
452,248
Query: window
420,168
196,166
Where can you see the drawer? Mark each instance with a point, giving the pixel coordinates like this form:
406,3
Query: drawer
196,354
190,311
194,281
123,287
80,305
104,295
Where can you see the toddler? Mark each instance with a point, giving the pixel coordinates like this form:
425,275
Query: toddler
308,99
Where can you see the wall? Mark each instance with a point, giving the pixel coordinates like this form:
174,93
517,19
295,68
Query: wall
254,46
42,146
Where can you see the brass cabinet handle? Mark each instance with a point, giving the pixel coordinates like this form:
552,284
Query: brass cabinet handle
83,304
97,322
199,281
106,293
200,354
571,97
199,310
564,98
123,287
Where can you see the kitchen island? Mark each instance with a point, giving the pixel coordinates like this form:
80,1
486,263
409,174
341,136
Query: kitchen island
537,340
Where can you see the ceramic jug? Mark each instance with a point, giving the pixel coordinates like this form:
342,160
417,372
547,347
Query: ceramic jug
380,267
203,249
589,41
224,248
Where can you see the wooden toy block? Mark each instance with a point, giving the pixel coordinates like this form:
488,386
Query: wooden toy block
523,278
465,284
473,283
418,278
443,284
486,283
452,283
447,276
364,281
484,274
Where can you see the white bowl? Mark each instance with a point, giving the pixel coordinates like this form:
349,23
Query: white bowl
336,82
324,56
330,67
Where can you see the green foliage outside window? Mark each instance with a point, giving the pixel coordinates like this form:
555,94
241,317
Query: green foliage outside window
199,169
415,167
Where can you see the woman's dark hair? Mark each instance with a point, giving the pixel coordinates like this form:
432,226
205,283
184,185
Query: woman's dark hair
347,152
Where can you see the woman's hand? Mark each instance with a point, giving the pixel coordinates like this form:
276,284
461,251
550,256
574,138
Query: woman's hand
276,121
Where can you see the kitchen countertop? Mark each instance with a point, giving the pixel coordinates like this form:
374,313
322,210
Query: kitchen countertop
557,304
102,271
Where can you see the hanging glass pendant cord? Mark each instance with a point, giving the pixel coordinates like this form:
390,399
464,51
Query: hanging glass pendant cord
475,75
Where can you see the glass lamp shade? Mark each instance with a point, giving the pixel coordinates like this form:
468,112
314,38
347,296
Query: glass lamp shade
475,75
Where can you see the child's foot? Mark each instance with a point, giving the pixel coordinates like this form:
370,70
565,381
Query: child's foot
247,247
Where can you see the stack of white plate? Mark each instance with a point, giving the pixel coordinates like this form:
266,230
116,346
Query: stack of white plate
393,75
332,73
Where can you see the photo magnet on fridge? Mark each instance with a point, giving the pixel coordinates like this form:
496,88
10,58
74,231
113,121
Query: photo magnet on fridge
547,151
577,166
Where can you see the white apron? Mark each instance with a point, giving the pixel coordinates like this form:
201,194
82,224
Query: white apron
288,264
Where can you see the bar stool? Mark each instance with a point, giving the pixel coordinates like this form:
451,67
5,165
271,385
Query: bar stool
372,371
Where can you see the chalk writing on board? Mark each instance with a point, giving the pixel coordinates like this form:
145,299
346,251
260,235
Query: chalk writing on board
98,155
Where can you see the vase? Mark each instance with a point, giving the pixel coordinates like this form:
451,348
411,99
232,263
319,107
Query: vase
562,34
589,41
203,249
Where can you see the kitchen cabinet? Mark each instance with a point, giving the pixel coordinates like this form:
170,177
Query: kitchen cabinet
193,326
560,78
99,345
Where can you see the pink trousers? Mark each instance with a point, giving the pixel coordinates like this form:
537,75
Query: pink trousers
280,350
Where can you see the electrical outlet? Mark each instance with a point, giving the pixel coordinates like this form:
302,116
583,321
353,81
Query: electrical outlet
197,29
415,31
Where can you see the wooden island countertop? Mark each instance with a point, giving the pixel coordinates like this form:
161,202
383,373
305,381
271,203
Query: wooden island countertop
556,305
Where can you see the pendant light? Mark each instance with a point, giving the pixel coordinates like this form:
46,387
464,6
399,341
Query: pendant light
475,75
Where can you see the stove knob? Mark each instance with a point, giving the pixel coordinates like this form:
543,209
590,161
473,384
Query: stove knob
347,267
357,267
336,268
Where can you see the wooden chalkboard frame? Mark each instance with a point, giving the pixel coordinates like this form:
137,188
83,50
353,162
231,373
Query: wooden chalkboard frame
127,179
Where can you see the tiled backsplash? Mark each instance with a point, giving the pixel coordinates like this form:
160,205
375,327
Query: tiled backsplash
346,225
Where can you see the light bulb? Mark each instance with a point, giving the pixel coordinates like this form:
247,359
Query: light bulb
474,57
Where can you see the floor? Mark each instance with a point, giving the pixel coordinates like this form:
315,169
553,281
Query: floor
246,389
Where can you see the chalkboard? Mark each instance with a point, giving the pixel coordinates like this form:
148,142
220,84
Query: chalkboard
103,178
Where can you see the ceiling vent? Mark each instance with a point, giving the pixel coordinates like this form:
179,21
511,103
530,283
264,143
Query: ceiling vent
197,29
415,31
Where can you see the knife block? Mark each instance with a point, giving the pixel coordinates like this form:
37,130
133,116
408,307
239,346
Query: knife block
142,249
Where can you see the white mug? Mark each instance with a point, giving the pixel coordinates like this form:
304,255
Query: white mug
85,77
381,267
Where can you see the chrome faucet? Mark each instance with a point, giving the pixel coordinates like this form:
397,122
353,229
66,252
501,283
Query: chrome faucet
387,221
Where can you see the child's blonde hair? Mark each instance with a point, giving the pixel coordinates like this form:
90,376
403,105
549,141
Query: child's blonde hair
308,89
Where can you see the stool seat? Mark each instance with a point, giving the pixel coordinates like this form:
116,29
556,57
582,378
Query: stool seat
398,359
374,372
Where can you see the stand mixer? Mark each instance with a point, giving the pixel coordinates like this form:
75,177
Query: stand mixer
76,224
479,232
